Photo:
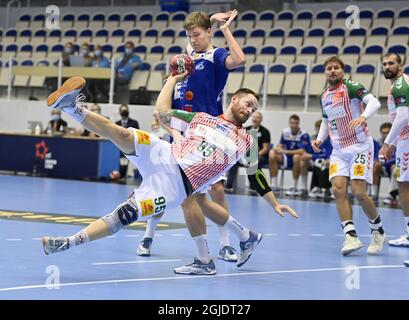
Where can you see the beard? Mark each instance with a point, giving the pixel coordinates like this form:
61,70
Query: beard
390,74
334,82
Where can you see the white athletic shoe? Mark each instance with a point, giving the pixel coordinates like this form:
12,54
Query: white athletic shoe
293,192
314,193
351,244
65,96
144,248
402,241
377,242
54,245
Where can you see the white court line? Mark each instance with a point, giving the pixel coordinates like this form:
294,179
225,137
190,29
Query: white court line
133,261
49,286
177,235
132,235
36,239
112,236
317,235
293,235
13,239
270,234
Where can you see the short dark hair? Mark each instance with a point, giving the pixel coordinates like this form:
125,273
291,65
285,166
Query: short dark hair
243,91
335,59
294,117
398,57
385,125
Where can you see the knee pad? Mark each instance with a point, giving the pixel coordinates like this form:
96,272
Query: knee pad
123,215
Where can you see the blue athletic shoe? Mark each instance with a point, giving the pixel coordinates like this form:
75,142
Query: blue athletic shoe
247,247
197,268
66,95
54,245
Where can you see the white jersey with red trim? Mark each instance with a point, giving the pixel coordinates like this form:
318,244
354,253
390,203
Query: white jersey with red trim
210,146
340,106
399,97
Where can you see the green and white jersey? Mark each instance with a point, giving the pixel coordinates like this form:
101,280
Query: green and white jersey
340,106
399,97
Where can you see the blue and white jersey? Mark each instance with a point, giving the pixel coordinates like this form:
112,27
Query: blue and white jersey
301,140
202,90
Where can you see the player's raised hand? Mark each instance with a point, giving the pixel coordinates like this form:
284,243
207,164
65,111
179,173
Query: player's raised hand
227,24
316,145
281,208
220,17
360,121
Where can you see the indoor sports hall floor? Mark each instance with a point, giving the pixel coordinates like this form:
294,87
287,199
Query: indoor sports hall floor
297,259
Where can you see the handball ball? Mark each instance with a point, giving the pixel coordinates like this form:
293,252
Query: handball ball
114,175
180,63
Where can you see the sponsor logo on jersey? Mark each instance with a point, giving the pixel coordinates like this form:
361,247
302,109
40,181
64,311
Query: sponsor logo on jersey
359,170
361,92
222,128
333,169
147,207
143,137
400,100
200,66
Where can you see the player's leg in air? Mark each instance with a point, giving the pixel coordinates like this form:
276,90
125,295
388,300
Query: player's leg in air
164,184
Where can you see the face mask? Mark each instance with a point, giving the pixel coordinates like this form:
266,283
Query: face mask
98,53
68,50
128,51
124,114
83,52
55,117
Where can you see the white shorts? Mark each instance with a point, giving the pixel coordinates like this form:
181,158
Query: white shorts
162,187
222,178
355,162
402,160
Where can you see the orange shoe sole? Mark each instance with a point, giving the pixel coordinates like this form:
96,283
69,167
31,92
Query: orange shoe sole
73,83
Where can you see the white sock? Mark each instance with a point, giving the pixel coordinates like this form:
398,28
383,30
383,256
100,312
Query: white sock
151,225
374,190
79,238
407,224
274,182
202,248
304,180
223,236
295,183
78,112
240,231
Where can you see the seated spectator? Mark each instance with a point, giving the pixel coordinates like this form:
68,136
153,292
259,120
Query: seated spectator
85,52
384,169
125,122
69,50
293,152
56,126
99,88
320,184
124,69
264,141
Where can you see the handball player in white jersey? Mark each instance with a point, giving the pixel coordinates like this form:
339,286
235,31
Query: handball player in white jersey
344,120
398,137
170,173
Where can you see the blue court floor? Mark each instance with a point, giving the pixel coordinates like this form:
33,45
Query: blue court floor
297,258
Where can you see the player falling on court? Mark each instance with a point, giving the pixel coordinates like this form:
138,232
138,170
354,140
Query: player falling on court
344,119
202,92
398,137
170,172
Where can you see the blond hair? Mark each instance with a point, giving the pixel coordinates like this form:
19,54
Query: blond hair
197,19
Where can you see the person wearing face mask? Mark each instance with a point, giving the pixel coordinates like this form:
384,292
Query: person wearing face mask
125,122
56,125
124,68
85,52
99,88
68,51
